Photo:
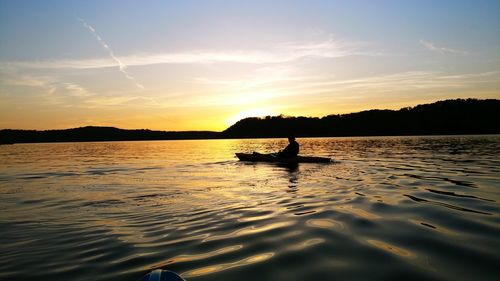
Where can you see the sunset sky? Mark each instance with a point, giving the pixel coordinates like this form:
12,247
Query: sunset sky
202,65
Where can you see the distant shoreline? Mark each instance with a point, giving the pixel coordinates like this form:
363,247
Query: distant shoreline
449,117
257,138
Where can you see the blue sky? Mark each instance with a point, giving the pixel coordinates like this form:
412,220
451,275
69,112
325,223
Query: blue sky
176,65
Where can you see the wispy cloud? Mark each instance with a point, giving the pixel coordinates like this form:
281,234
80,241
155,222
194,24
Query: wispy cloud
327,89
51,90
121,66
47,89
439,49
397,83
281,53
268,75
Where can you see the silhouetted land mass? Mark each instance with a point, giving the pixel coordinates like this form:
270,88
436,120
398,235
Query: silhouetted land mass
92,133
460,116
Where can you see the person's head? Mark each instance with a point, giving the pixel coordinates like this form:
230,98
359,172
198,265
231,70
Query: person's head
291,137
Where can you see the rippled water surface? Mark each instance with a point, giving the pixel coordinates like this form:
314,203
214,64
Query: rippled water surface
388,208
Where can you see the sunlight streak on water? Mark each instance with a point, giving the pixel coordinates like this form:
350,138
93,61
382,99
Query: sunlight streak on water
388,208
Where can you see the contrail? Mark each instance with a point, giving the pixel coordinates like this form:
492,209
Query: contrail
121,66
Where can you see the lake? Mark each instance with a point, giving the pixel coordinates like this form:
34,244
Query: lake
388,208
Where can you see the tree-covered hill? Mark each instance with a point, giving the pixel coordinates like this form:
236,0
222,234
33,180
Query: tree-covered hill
460,116
93,133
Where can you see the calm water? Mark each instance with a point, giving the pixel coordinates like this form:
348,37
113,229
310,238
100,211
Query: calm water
397,208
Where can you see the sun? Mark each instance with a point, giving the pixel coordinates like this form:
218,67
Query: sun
253,112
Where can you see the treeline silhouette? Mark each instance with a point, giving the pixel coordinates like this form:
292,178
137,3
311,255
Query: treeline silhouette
93,133
460,116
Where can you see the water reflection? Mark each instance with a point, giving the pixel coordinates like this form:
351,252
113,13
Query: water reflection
220,267
191,207
186,258
391,248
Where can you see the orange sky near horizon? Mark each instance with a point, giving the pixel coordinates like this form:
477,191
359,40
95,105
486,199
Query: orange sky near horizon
187,65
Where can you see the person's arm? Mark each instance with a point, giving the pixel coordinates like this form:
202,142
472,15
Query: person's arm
287,149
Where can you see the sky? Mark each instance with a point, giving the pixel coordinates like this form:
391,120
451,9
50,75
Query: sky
203,65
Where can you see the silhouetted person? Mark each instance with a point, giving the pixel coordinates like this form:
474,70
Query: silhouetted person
292,149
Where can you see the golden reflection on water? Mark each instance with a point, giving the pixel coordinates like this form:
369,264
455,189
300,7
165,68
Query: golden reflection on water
359,212
391,248
292,233
126,208
250,230
305,244
220,267
256,218
324,223
184,258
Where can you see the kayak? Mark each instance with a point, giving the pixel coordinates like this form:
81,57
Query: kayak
272,157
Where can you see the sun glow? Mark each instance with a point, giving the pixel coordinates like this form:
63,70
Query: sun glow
253,112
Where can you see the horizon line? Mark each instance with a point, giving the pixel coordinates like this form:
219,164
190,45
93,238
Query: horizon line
259,117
